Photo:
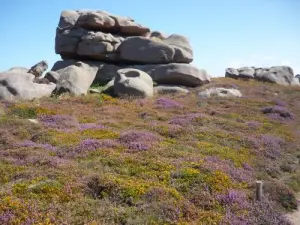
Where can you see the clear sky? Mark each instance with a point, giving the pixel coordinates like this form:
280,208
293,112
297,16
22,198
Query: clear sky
223,33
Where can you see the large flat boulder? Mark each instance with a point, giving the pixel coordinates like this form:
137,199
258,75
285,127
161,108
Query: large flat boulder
20,85
177,74
145,50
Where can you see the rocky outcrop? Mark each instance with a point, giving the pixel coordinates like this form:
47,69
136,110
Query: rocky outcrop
283,75
100,35
17,84
133,82
172,74
107,43
220,92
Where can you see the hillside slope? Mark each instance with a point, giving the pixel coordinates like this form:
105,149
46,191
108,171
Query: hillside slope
173,159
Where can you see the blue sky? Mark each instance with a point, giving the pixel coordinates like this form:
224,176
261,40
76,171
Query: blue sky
223,34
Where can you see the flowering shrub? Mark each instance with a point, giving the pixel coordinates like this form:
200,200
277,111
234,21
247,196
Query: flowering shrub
278,113
28,143
59,121
280,103
184,120
87,126
214,163
168,103
138,140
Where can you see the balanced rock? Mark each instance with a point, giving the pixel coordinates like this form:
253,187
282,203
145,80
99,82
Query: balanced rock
133,82
19,85
220,92
283,75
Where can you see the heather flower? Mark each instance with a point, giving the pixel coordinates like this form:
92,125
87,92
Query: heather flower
272,145
253,124
28,143
86,126
227,166
59,121
168,103
278,113
232,197
86,146
6,217
138,146
186,119
281,103
138,140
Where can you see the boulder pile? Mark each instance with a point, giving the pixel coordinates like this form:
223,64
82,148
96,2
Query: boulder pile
283,75
23,83
95,45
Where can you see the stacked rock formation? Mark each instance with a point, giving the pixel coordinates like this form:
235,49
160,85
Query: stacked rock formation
94,45
283,75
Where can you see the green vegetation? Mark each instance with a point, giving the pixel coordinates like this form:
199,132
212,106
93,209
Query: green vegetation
96,159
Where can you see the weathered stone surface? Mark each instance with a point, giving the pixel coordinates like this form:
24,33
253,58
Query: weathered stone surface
52,76
39,68
96,21
157,34
231,72
181,45
133,82
105,72
21,86
220,92
277,74
167,89
75,78
246,72
144,50
170,74
177,74
283,75
66,42
68,19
